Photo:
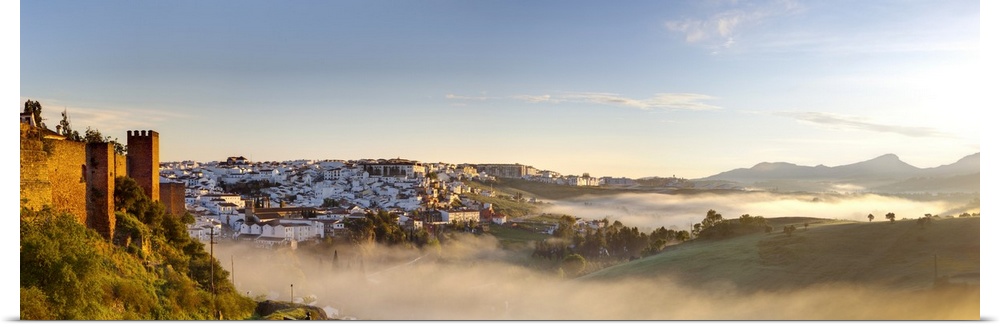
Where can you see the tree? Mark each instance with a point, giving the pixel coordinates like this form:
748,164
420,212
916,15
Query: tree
94,136
871,217
362,230
789,229
68,131
387,231
892,217
683,236
69,272
654,247
925,220
711,219
574,264
566,227
35,109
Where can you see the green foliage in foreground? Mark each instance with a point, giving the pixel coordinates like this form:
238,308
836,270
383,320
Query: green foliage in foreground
150,269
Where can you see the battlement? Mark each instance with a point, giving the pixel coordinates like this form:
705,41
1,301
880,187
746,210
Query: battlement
149,133
79,178
143,161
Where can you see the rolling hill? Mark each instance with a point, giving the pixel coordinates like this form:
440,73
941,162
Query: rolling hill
903,256
886,173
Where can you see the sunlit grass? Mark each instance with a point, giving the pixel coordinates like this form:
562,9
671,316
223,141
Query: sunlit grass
900,255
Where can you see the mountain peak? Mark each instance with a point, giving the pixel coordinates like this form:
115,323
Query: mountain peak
881,170
766,166
886,157
884,165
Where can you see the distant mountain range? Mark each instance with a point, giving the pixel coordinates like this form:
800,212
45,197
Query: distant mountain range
886,173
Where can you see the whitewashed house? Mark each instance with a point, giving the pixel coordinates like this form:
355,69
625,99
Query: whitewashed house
459,215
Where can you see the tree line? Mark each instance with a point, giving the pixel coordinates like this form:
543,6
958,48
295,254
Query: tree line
570,243
608,240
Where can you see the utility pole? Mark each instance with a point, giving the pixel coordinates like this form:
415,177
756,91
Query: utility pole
211,252
292,286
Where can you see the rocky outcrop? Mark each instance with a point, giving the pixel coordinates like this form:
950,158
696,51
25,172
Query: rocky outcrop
280,310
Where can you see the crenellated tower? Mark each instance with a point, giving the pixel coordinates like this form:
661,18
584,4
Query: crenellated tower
143,161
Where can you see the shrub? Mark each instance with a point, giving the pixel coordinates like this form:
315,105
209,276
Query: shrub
789,229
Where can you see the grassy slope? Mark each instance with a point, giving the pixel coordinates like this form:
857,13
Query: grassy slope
899,255
511,208
516,238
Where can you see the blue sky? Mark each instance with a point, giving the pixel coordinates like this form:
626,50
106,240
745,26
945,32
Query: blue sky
644,88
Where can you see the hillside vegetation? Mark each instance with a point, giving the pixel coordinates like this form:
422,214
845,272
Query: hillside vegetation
151,269
906,254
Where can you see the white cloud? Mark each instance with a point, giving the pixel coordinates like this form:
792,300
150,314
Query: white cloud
536,98
721,30
107,120
876,28
465,97
675,101
856,123
666,101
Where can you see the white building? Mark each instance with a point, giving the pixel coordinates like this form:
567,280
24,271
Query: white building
448,216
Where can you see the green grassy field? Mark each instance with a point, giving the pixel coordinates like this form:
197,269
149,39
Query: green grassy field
506,206
900,255
516,238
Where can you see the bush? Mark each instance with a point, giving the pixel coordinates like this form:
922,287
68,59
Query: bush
733,227
34,305
69,272
789,229
574,264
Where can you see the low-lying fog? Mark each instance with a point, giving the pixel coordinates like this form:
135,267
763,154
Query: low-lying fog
647,210
471,278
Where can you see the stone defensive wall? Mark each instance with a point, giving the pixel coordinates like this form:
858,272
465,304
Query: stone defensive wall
66,165
79,178
36,189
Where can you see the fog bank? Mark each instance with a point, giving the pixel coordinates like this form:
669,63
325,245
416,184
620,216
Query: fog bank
646,210
471,279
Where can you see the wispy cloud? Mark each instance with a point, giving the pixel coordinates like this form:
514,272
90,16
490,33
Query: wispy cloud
678,101
465,97
856,123
664,101
537,98
107,120
786,26
721,29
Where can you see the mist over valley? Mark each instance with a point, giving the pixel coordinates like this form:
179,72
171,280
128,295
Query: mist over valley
501,161
483,277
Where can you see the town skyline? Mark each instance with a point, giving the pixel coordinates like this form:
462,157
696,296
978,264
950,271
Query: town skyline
648,89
